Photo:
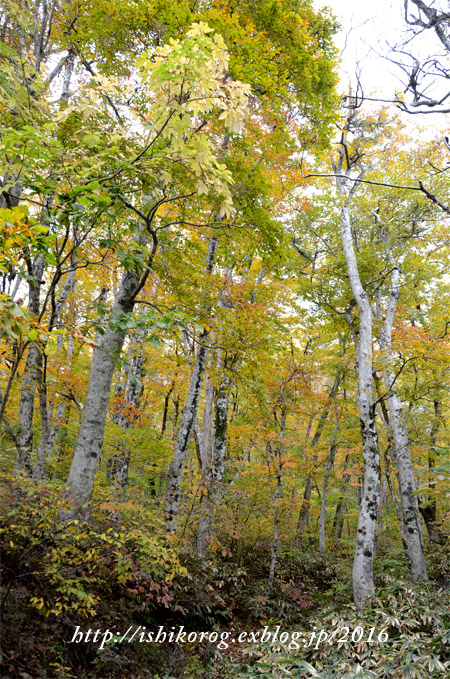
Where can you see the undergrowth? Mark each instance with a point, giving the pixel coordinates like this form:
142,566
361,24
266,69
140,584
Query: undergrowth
120,569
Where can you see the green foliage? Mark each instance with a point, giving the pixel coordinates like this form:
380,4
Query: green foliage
69,567
416,621
13,318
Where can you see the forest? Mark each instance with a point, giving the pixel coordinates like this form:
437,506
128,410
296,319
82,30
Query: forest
224,344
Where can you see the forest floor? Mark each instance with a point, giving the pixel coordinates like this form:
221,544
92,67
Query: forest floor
226,594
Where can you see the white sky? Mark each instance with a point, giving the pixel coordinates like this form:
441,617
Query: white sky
368,28
366,25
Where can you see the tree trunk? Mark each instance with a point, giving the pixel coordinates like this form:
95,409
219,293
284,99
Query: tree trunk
363,585
387,472
412,530
39,468
166,409
326,477
338,521
215,475
32,375
90,437
220,433
304,510
384,417
184,434
46,441
187,418
276,526
214,467
306,502
205,443
124,417
428,508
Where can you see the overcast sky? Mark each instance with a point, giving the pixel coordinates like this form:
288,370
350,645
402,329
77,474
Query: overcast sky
368,29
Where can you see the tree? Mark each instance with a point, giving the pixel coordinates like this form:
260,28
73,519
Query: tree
187,80
363,586
377,248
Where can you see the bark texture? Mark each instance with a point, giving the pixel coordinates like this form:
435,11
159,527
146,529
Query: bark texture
363,585
205,445
90,438
220,433
412,530
213,470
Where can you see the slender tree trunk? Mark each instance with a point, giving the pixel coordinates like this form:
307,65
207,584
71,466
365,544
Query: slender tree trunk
176,413
32,375
220,433
384,417
184,434
68,70
326,477
363,585
387,471
338,521
304,510
58,419
245,459
188,416
205,442
45,445
276,526
125,416
428,508
39,468
412,530
215,474
214,467
166,409
306,502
